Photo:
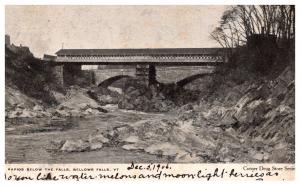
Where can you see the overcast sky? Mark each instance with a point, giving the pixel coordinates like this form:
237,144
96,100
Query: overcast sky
45,28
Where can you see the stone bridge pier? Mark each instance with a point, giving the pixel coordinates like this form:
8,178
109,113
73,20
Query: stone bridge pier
58,74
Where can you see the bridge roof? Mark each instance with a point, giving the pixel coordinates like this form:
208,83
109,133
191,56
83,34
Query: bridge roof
142,51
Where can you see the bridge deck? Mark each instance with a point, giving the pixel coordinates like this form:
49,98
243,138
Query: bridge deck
170,60
170,63
167,57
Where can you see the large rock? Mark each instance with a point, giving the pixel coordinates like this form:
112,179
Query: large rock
166,149
98,138
252,113
75,113
78,104
22,113
61,113
114,89
38,108
188,158
75,146
106,99
28,114
289,98
79,100
132,139
96,145
91,111
214,114
126,105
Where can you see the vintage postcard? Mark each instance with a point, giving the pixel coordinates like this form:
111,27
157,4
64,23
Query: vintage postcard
109,92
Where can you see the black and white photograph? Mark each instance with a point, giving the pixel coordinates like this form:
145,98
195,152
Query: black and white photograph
125,84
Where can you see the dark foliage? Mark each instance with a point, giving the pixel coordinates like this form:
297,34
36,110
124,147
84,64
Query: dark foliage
30,75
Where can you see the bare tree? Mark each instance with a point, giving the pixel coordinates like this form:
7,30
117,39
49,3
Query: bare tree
240,22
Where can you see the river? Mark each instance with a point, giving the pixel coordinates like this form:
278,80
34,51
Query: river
29,140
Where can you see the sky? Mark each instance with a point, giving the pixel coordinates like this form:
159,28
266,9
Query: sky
46,29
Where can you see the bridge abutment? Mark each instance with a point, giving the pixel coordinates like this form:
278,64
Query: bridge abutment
71,74
58,73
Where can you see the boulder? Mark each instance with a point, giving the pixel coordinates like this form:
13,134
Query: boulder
214,114
135,93
114,89
126,105
166,149
136,146
101,110
287,75
78,100
188,158
106,99
96,145
27,114
61,113
252,113
56,144
42,114
132,139
258,156
21,106
228,118
98,138
75,113
14,114
289,98
38,108
75,146
91,111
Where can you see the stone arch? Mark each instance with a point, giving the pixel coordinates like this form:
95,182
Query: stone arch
189,79
110,80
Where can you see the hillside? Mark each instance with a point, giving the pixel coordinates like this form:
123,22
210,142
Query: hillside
29,76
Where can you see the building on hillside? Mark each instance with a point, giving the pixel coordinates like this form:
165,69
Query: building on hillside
49,57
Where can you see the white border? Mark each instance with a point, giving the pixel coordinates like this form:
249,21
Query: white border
145,2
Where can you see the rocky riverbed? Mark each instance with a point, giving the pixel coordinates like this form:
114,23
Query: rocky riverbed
253,122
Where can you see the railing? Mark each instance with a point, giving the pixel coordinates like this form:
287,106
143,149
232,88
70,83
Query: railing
171,58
